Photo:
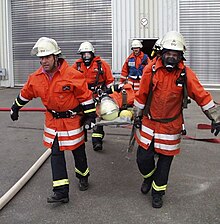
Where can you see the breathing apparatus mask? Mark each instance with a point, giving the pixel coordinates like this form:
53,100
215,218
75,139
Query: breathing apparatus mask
87,57
171,59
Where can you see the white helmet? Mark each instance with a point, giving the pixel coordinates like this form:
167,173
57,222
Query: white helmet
86,47
136,44
45,46
108,109
173,40
157,45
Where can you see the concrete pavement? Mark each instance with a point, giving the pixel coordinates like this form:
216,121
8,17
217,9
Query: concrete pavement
114,195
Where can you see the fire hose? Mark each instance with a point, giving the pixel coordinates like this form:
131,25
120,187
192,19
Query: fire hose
204,127
25,178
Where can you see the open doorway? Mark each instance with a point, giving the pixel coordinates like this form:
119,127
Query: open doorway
147,45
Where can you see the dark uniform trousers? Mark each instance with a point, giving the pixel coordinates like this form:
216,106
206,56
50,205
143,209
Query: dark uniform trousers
97,134
58,165
157,171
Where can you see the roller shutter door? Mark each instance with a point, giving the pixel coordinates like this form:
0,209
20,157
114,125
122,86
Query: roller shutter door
69,22
200,24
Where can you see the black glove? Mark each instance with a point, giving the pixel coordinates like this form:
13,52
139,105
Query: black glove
115,88
14,112
137,122
215,127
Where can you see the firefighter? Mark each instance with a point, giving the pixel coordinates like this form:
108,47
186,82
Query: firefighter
65,94
158,114
156,50
98,75
133,66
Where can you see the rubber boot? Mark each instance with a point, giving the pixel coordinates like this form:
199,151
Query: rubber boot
57,197
157,201
83,184
97,146
146,185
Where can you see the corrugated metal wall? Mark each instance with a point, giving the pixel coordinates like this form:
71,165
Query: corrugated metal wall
69,22
200,24
161,16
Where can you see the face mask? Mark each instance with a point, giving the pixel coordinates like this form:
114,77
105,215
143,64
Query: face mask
87,58
170,62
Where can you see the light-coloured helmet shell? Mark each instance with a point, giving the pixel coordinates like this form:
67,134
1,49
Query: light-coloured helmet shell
108,109
136,44
173,40
86,47
126,115
157,45
45,46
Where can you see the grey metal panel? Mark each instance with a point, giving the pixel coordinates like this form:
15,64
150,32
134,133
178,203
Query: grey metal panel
200,24
70,22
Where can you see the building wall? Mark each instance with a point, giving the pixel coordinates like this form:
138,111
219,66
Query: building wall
139,19
110,25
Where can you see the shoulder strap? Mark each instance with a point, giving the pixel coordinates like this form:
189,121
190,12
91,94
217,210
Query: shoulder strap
100,72
185,94
149,98
78,65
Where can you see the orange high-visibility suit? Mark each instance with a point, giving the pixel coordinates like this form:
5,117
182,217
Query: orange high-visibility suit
65,91
167,103
91,72
133,68
119,98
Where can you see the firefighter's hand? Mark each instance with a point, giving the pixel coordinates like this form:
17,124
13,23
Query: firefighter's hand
14,112
89,122
215,128
138,122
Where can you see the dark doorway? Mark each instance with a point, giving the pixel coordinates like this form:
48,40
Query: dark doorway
148,45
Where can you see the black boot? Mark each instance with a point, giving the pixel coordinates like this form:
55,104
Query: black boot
97,146
56,197
83,184
157,201
146,185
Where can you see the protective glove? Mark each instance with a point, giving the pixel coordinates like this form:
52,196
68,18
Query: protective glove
14,112
89,122
215,128
138,122
115,88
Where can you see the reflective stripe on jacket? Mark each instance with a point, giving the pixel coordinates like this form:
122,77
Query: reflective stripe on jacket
167,103
65,91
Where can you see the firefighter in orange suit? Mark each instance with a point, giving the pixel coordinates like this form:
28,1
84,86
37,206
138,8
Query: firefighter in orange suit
98,75
65,94
158,113
133,67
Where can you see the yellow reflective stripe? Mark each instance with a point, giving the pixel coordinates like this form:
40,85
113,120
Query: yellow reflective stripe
159,188
96,135
149,174
82,174
62,182
89,111
20,105
112,88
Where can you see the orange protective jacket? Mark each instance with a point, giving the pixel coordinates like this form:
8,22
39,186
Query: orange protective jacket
91,72
65,91
126,69
167,103
118,97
